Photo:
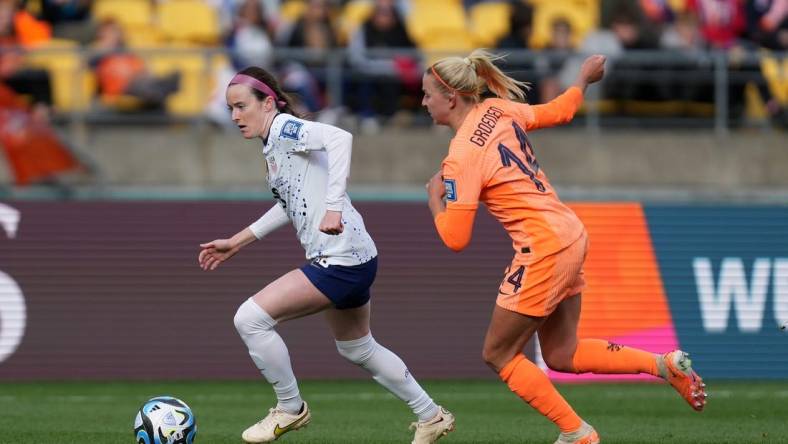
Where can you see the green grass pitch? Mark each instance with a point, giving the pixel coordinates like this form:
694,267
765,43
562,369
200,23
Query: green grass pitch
362,412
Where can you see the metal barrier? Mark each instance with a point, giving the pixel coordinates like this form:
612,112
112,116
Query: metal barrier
716,74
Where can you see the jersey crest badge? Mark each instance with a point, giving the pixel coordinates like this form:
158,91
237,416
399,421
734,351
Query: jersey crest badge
290,129
451,189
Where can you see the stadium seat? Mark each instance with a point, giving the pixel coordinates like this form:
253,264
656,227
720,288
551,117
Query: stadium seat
291,10
189,21
353,15
144,36
582,15
677,6
776,75
489,22
194,88
436,25
126,12
72,85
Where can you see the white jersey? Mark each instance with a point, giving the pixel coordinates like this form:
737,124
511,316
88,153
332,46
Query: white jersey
300,154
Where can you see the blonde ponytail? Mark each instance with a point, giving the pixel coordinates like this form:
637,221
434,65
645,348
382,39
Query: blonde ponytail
470,76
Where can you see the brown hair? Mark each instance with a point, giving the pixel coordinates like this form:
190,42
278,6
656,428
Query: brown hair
470,76
267,78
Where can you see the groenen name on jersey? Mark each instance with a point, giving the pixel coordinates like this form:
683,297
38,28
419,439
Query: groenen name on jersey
486,125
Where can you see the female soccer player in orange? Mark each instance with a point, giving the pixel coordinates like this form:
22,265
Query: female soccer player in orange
491,160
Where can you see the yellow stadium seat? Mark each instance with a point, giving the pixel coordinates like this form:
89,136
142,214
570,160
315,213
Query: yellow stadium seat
776,77
489,22
189,21
432,23
144,36
447,44
291,10
125,12
355,13
678,6
582,15
192,95
72,84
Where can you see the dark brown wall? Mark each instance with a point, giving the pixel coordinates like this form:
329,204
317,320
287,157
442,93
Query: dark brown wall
113,290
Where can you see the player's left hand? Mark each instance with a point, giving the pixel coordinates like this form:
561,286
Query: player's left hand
332,223
435,187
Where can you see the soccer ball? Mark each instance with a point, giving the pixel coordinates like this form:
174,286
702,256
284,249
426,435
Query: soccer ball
165,420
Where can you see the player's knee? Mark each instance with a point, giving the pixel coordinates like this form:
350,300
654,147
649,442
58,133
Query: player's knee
559,361
493,356
357,351
251,318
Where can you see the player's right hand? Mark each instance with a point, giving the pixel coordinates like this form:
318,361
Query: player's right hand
593,69
214,253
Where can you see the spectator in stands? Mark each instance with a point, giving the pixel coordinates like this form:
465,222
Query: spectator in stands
70,19
767,27
559,49
316,32
519,38
122,73
767,23
384,77
722,22
249,39
19,29
520,26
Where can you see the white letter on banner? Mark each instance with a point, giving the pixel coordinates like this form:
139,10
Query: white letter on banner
732,284
9,220
780,290
13,316
13,312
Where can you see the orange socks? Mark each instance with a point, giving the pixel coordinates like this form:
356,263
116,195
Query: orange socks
598,356
531,384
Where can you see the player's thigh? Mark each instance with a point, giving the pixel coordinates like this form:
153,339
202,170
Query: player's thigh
558,333
507,335
291,296
348,324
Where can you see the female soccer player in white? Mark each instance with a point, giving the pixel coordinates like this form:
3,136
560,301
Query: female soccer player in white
308,165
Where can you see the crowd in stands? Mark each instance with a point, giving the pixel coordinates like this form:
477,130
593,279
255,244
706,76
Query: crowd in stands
121,73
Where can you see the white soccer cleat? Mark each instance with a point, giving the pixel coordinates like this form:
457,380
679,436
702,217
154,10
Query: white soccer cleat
427,432
276,424
584,435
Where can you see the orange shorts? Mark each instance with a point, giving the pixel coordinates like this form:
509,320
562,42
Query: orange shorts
534,287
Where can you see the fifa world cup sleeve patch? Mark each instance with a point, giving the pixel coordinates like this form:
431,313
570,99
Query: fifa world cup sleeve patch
451,189
290,129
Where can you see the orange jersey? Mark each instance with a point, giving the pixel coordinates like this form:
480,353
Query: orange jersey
491,160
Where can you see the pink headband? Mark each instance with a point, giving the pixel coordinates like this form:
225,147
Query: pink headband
243,79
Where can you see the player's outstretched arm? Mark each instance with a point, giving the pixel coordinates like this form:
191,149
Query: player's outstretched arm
562,109
217,251
591,71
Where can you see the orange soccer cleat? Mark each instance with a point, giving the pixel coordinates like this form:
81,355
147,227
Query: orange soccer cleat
676,368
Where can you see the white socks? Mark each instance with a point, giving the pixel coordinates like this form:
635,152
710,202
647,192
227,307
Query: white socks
390,372
269,353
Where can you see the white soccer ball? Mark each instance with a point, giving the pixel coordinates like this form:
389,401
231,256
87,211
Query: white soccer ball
165,420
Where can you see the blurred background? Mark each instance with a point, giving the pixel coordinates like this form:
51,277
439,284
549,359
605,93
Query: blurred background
119,158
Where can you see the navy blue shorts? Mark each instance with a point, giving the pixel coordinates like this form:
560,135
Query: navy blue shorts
346,287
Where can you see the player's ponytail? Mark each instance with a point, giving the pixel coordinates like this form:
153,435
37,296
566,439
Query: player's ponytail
470,76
